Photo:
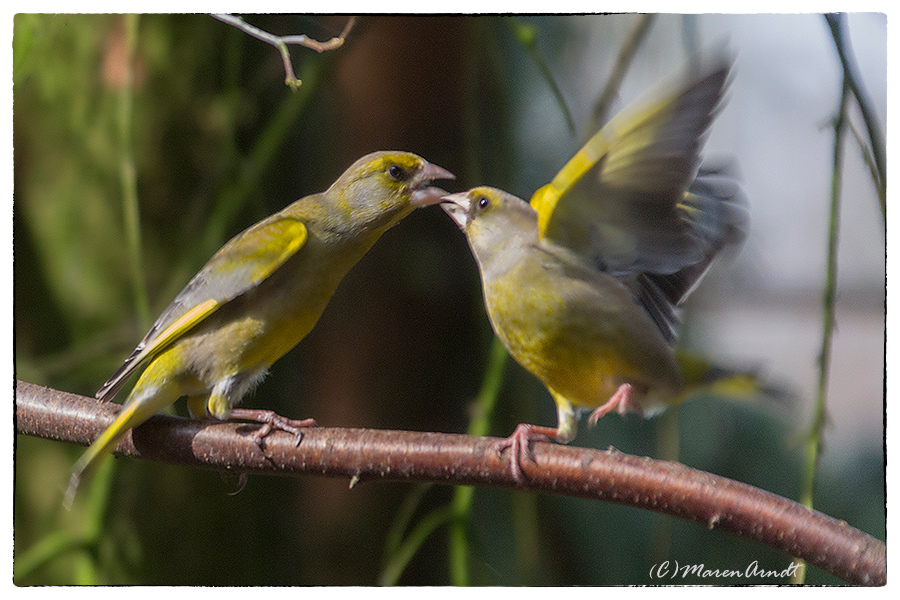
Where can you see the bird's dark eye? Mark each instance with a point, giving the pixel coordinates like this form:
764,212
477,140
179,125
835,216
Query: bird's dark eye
396,172
483,202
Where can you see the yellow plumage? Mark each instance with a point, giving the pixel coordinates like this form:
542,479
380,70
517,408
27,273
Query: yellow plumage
259,295
582,284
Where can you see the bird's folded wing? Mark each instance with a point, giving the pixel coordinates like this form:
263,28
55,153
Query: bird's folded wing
239,266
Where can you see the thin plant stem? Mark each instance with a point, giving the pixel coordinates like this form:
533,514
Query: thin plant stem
404,553
83,540
394,538
526,35
623,61
128,176
820,414
483,410
837,24
261,155
45,551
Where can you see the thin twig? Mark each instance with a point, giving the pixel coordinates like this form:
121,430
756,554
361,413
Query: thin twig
638,32
820,412
392,571
362,454
128,172
526,35
259,157
836,23
463,496
282,42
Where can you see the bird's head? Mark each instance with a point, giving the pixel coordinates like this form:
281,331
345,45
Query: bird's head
494,221
381,188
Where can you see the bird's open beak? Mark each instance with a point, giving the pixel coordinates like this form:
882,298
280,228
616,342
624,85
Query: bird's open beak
424,194
457,206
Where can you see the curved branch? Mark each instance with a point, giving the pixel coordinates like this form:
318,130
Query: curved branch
362,454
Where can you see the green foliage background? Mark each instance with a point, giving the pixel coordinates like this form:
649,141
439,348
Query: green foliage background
217,142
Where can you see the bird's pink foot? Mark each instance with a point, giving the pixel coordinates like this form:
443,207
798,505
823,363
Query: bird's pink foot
272,421
619,401
519,442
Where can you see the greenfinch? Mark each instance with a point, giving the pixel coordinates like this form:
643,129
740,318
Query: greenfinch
258,296
582,284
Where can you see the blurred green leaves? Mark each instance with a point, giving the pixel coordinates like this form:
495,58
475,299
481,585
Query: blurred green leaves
118,163
67,211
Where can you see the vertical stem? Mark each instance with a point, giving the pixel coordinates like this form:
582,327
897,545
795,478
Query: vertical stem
836,23
526,35
629,48
814,437
129,177
262,154
463,495
98,493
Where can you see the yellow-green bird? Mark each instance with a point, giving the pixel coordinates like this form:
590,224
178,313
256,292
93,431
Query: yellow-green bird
259,295
582,285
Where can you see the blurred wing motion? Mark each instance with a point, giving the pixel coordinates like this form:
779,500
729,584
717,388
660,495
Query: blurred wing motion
236,268
715,210
635,203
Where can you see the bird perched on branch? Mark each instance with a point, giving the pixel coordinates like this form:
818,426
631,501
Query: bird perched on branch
258,296
582,285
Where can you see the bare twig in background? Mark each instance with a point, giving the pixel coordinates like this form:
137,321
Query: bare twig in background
626,54
526,35
836,23
362,454
282,42
128,171
820,411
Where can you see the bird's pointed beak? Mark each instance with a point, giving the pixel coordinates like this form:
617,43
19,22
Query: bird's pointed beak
425,194
457,206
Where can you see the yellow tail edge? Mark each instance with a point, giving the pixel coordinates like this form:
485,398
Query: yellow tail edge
129,417
702,377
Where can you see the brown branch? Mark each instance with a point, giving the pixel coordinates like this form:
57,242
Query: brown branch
362,454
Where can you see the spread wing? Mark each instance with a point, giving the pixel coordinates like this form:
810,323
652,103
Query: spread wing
717,210
239,266
623,201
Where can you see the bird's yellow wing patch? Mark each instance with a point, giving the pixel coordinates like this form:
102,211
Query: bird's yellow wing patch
182,324
619,200
239,266
253,255
545,200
